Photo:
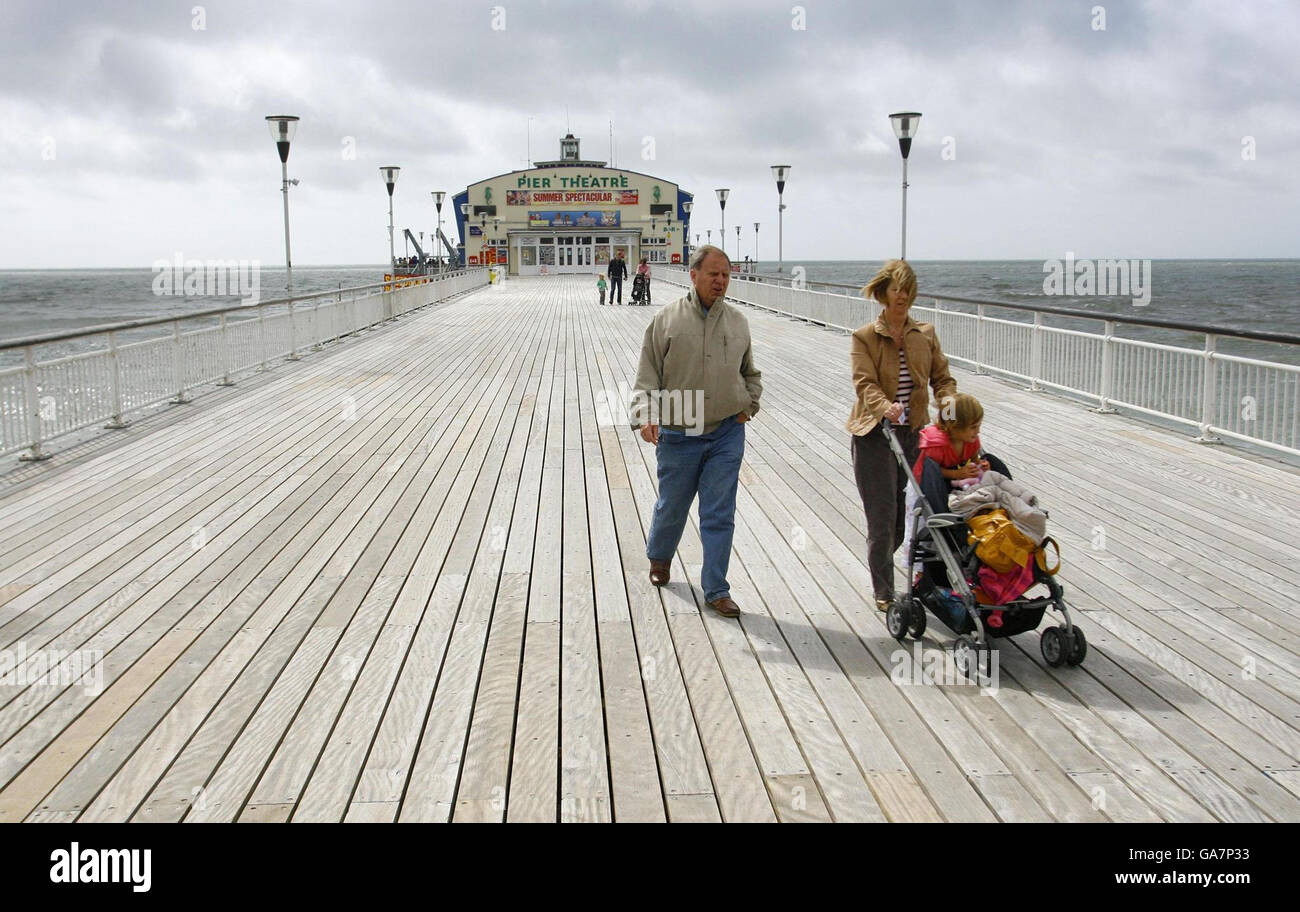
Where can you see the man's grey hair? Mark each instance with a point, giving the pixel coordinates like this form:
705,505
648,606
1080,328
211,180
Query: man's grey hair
699,253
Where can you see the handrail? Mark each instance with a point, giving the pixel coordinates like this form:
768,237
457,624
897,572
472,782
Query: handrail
101,328
1200,328
1223,396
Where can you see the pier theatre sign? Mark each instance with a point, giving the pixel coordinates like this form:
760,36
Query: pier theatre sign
577,182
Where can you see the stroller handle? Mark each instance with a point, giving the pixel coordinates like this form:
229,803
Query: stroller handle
894,445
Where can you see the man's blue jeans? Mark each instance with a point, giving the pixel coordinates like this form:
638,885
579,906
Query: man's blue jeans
708,465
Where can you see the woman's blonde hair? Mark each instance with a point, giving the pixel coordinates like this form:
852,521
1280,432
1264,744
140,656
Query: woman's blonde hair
893,271
961,410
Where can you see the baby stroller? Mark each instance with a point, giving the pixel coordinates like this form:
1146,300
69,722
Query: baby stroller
640,290
943,567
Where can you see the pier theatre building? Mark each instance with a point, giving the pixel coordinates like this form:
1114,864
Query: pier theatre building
571,216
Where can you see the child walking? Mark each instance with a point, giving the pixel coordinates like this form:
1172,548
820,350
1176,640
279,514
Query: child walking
600,286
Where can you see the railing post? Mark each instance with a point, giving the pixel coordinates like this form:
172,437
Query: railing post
225,356
33,408
261,332
1036,354
115,381
178,365
293,347
979,339
938,315
1107,370
1209,390
315,325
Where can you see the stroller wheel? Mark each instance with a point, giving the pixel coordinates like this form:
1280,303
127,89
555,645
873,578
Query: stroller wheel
962,653
916,625
1053,645
1078,648
896,618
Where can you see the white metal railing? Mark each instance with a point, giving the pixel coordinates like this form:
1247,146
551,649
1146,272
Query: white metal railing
1219,394
118,374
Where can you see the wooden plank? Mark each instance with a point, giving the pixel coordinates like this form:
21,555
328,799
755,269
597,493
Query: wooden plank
693,809
584,763
534,775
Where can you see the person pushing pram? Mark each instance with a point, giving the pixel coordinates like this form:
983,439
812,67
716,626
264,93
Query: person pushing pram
641,283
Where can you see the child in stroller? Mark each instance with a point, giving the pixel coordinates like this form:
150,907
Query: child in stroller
641,284
951,457
944,569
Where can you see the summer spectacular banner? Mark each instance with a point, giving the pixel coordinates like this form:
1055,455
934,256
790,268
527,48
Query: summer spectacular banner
568,197
609,219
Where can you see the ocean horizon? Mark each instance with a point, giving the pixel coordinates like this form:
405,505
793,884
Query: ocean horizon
1228,293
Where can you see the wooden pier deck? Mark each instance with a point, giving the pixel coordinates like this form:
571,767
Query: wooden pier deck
404,579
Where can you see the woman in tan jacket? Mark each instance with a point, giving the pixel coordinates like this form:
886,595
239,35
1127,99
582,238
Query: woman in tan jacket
894,360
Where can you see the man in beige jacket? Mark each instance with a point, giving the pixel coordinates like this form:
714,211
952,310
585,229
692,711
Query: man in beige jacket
696,387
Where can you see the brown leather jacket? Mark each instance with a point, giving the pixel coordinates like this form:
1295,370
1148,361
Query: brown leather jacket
874,360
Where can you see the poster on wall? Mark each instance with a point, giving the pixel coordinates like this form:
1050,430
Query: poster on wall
569,197
581,219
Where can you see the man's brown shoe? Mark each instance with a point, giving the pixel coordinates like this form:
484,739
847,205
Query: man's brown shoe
725,607
659,572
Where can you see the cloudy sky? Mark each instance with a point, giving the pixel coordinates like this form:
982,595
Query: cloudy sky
1157,129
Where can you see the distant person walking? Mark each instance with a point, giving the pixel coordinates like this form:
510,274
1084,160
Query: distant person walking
893,360
643,275
696,386
617,270
600,286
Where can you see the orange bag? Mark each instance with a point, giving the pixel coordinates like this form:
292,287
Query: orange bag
1001,545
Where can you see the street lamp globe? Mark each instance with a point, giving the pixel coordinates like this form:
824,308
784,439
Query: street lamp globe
283,126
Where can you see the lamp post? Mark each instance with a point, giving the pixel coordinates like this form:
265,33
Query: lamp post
780,172
389,173
496,231
709,234
737,243
756,247
905,123
464,238
283,126
438,197
686,230
722,204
